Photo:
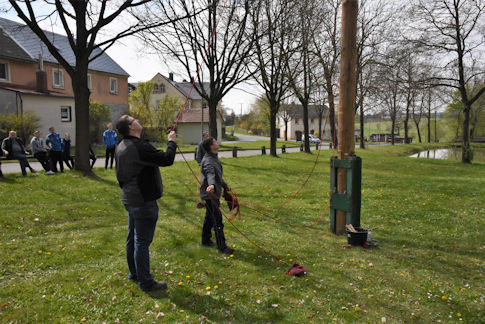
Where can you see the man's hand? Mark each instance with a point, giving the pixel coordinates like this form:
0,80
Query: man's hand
5,152
210,189
172,136
27,153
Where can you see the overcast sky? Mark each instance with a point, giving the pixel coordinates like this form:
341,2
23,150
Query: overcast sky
129,54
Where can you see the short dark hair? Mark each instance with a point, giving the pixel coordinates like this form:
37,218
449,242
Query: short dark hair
207,143
123,125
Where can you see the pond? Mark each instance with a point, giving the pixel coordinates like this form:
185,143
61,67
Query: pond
453,153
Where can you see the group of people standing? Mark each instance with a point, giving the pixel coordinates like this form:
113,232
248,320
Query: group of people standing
54,151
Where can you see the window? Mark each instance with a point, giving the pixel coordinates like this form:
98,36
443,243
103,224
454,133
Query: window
90,84
296,121
155,88
58,78
66,114
204,104
4,75
162,88
311,120
113,85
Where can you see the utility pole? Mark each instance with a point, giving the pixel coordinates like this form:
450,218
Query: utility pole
346,113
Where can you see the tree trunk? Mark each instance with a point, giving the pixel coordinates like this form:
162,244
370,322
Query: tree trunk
393,126
466,155
305,127
361,120
81,107
419,132
286,130
213,118
331,106
406,126
272,127
320,118
429,127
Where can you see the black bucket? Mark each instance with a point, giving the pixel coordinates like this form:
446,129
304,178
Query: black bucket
357,238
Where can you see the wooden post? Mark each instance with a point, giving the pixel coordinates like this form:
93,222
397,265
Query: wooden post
263,150
195,154
234,152
283,148
301,147
346,113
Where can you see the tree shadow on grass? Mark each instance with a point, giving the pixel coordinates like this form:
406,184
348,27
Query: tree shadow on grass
7,180
214,309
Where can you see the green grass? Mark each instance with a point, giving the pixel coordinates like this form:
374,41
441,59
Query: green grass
62,253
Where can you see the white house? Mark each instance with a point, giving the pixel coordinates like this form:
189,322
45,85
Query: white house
290,120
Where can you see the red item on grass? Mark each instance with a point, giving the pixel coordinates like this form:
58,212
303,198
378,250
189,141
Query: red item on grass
296,270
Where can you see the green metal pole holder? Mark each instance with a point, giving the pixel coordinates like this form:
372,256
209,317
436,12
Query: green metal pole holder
350,201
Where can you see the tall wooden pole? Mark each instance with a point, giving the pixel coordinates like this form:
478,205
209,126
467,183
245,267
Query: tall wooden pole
346,112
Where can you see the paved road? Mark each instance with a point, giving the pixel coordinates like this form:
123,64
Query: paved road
248,138
12,167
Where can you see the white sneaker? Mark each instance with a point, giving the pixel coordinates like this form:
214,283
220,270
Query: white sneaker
50,172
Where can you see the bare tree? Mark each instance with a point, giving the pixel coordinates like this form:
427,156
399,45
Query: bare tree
389,90
373,30
217,40
83,23
271,51
451,30
301,65
327,50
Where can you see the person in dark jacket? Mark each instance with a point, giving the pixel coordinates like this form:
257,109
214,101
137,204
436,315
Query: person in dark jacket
211,185
16,151
2,153
138,174
40,152
110,139
92,156
53,141
66,151
200,148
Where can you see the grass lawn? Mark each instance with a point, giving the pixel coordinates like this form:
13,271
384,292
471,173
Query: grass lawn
62,255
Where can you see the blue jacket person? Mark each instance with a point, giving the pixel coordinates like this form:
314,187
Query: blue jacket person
138,173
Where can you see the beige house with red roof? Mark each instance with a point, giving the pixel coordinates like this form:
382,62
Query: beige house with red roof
195,118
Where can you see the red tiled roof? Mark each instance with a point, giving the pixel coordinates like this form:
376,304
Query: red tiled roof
194,116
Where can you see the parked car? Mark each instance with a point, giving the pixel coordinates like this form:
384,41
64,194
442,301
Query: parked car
311,138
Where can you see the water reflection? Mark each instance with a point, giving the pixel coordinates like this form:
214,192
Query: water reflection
449,154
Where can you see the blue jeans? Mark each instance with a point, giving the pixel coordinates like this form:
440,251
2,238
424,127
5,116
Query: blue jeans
142,220
22,161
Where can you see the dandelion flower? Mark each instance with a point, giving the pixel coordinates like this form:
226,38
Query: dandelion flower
444,298
208,288
180,283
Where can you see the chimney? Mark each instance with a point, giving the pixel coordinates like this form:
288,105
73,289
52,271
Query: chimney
41,77
170,76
